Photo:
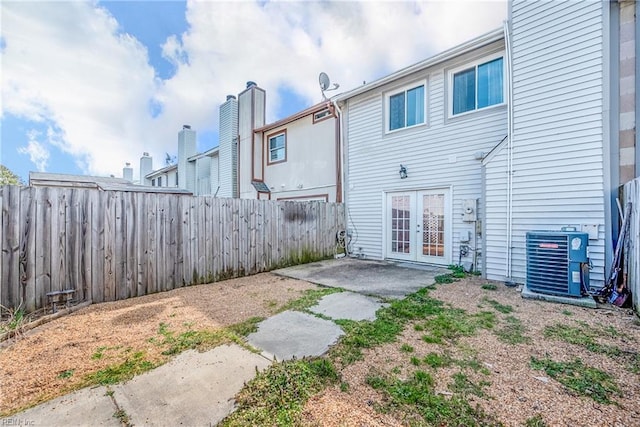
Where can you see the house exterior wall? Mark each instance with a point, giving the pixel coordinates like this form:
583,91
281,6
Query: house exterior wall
438,155
495,182
251,115
559,124
228,150
203,177
310,166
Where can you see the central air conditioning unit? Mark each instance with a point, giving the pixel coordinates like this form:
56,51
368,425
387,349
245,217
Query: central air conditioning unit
558,262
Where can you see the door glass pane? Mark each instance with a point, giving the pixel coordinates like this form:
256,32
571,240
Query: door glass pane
433,225
400,233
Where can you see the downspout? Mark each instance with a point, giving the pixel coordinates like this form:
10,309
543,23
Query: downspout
342,171
509,88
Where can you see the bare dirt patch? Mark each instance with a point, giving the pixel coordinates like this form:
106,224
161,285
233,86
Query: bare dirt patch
54,358
493,374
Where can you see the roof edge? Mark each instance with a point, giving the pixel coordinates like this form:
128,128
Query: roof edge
475,43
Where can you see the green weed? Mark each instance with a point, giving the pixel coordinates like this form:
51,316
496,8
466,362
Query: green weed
581,379
582,335
277,395
66,374
452,323
309,298
462,384
535,421
134,365
436,360
512,332
489,287
406,348
247,327
567,313
504,309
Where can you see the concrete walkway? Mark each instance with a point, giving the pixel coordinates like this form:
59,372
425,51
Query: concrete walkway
198,389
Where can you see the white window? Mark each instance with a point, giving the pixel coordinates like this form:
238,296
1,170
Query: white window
476,86
277,147
405,108
159,181
321,115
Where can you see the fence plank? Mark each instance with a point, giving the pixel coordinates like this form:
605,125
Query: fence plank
111,245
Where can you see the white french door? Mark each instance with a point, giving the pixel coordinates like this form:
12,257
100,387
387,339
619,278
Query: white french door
418,226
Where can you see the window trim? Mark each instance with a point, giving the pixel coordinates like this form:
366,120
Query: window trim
268,143
474,64
405,88
325,117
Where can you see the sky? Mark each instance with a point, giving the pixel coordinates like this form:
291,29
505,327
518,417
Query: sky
87,86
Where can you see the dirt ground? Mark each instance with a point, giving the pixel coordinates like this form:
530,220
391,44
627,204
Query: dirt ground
33,367
516,392
54,358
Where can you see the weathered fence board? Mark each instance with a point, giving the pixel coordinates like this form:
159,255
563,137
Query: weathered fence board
110,245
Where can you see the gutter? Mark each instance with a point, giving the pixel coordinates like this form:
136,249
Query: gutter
473,44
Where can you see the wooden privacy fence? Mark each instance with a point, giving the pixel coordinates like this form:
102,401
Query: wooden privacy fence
109,245
631,192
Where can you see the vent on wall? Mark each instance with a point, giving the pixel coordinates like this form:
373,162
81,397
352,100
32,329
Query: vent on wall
557,262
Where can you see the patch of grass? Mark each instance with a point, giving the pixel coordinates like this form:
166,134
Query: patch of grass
462,384
344,386
580,378
535,421
582,335
132,366
436,360
444,278
99,353
406,348
364,334
504,309
415,361
452,323
417,397
201,340
489,287
247,327
66,374
309,298
277,395
567,312
512,332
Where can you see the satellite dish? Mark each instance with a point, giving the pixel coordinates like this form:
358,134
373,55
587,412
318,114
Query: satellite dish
324,81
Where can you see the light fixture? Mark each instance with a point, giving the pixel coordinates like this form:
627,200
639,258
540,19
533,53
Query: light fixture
403,172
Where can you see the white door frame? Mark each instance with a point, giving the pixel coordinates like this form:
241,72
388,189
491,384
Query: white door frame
415,225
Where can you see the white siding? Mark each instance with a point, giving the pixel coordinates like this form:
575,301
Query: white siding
495,218
437,155
227,165
558,105
214,177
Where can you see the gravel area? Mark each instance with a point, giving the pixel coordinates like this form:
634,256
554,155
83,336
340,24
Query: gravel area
32,367
516,392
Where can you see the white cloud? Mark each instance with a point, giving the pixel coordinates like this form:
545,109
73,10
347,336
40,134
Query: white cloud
66,63
37,152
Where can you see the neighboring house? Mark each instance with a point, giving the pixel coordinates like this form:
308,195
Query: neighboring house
45,179
455,158
296,158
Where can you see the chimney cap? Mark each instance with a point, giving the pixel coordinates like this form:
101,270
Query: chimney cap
145,154
186,126
127,164
230,97
251,83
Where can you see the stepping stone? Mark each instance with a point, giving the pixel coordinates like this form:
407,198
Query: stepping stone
348,305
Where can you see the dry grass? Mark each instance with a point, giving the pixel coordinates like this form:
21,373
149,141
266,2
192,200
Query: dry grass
57,357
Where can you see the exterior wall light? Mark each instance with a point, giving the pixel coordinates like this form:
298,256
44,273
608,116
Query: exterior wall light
403,172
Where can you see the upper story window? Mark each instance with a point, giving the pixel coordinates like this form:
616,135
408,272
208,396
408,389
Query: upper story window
478,86
406,107
159,181
277,147
153,182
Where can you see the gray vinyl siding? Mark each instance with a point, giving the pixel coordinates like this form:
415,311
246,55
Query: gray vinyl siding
374,157
558,138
